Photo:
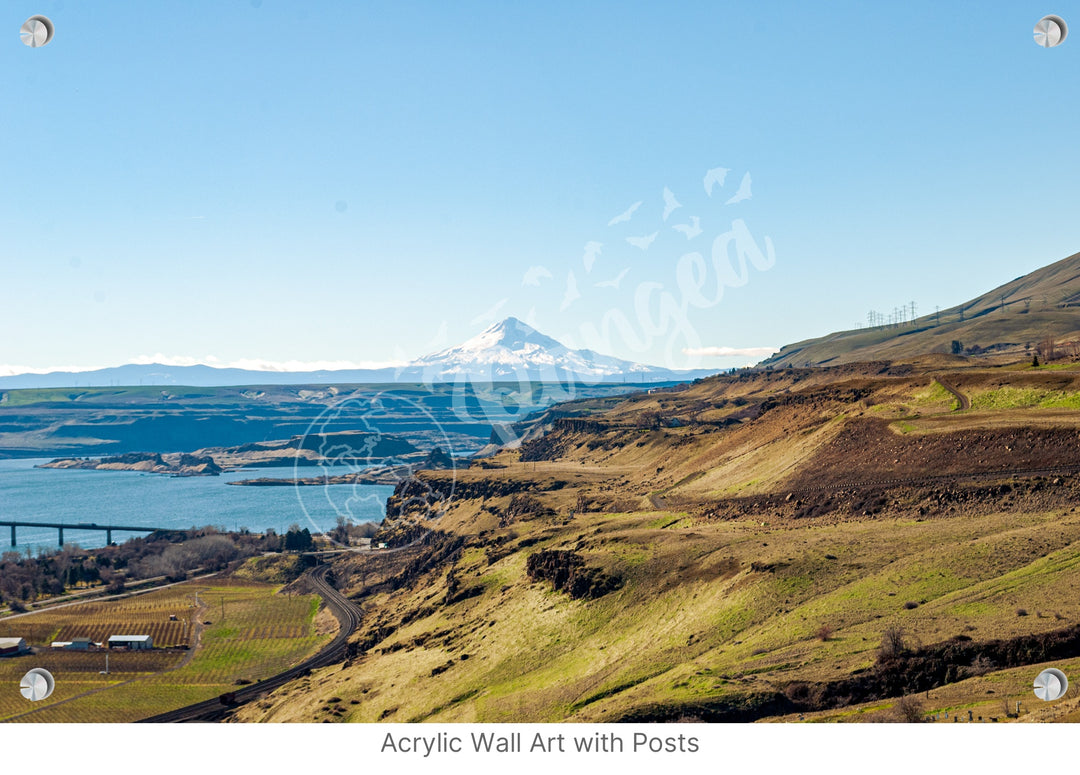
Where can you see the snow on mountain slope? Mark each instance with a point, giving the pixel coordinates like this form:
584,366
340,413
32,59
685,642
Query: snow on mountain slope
511,348
507,351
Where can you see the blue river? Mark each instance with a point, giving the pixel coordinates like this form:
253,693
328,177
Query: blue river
29,494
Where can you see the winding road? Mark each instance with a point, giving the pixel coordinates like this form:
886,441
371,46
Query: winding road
217,708
965,402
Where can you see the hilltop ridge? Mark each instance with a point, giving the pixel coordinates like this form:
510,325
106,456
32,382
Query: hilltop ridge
1009,320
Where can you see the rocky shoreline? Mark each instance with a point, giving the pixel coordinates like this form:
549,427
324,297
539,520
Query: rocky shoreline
179,464
388,476
370,476
351,447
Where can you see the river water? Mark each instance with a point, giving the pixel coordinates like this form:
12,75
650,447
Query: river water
29,494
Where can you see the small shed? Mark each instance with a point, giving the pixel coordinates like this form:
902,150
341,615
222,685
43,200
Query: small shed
76,644
131,642
10,647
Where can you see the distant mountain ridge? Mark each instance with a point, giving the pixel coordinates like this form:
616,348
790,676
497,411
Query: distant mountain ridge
1012,318
193,376
509,350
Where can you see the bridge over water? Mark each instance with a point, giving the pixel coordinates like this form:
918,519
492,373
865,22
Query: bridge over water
61,526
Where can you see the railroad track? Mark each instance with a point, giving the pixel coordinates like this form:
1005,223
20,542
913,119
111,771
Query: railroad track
217,708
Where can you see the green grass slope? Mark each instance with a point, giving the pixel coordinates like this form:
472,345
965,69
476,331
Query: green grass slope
735,586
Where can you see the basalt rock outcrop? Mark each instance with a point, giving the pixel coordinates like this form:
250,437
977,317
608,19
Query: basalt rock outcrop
568,573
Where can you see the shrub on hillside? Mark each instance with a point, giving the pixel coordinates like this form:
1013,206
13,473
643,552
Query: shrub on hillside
909,710
892,643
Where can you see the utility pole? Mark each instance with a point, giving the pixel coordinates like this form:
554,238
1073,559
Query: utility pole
937,314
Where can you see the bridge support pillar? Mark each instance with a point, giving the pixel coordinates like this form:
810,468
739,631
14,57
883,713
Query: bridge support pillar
13,535
108,536
61,536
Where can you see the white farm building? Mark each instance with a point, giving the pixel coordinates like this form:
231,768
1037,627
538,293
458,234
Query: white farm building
131,642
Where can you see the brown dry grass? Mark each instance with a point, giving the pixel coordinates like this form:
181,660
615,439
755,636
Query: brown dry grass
712,607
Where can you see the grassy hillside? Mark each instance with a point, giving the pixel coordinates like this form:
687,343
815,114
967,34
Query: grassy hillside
743,549
1005,320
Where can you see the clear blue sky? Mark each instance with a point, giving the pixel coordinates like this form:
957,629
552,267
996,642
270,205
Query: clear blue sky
354,182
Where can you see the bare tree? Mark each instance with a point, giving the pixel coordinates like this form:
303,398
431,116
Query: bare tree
909,710
893,643
1047,349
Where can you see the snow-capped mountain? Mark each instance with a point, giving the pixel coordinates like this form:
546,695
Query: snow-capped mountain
512,350
507,351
